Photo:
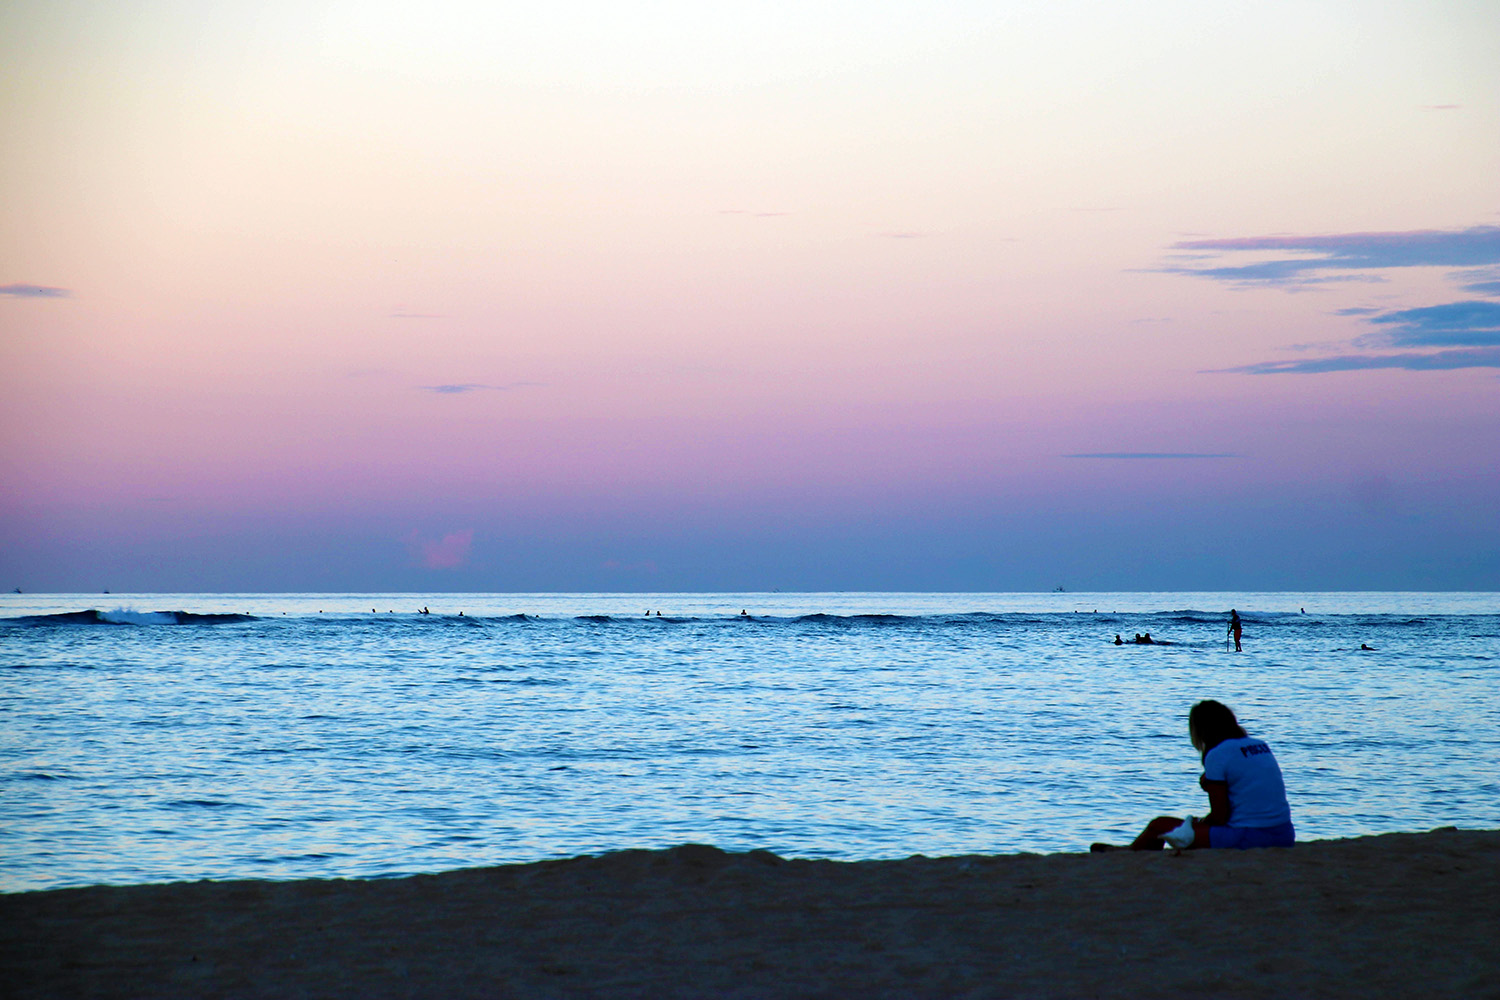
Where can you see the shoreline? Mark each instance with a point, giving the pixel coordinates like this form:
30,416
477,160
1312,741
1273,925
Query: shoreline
1393,915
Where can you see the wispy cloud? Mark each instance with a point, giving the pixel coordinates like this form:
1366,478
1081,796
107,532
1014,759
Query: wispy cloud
1480,281
902,234
1470,332
35,292
403,314
1472,357
458,388
1153,454
753,215
1302,260
1441,107
1453,324
1465,330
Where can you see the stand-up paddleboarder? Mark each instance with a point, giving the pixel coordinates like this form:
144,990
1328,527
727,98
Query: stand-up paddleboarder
1235,628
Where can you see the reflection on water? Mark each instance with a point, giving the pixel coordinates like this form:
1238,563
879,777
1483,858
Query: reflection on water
305,735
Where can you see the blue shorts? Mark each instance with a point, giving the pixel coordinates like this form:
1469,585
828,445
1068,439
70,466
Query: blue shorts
1252,836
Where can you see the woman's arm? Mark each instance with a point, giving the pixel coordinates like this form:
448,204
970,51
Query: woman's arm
1218,802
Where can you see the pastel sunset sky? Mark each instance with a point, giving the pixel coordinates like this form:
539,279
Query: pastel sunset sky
328,295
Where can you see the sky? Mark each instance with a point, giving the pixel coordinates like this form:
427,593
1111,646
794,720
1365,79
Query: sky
581,296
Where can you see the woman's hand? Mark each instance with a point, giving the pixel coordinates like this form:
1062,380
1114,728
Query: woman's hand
1218,802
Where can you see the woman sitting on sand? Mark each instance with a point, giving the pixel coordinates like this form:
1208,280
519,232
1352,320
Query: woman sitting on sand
1246,796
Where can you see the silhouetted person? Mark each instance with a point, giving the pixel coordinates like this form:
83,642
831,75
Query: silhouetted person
1118,640
1235,628
1246,796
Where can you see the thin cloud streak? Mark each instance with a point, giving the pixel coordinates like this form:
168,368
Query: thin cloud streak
1471,326
1154,454
1453,324
1474,357
458,388
1476,246
22,291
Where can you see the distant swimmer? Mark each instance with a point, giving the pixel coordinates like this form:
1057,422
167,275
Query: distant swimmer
1235,628
1118,640
1368,649
1303,610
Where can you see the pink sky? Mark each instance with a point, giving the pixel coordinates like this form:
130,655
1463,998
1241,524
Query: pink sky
356,296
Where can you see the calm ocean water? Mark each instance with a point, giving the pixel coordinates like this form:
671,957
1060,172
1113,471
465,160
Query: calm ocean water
294,735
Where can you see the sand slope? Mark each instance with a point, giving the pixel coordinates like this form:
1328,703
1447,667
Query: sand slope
1401,915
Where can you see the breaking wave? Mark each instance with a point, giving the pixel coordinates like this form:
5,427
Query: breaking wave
127,616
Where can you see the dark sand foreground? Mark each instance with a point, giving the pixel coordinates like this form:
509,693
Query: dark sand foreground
1401,915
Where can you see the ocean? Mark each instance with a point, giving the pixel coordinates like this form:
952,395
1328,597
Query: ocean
149,738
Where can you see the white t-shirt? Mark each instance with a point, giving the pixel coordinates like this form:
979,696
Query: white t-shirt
1257,796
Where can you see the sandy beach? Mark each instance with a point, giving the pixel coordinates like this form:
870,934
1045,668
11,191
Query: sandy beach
1399,915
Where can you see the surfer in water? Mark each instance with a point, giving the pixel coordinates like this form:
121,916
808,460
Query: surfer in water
1235,628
